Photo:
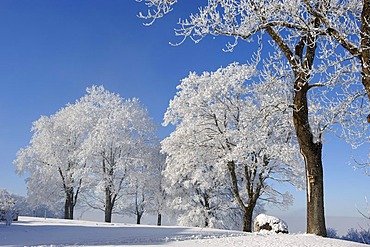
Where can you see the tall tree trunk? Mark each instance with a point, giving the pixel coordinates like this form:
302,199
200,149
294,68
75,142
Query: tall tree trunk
311,150
365,45
66,209
69,196
138,218
301,62
69,204
108,205
108,172
207,209
159,219
315,190
71,210
248,219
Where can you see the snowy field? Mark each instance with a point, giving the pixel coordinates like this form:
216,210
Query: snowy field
29,231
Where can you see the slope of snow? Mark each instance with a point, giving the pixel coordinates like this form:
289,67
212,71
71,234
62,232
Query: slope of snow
38,231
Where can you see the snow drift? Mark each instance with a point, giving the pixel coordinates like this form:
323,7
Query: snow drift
38,231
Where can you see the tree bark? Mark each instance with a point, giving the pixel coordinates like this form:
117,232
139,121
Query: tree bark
138,218
206,206
252,199
301,62
109,197
69,204
315,190
312,152
365,45
248,219
108,206
69,197
159,219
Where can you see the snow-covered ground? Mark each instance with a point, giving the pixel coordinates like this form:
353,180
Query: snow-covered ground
29,231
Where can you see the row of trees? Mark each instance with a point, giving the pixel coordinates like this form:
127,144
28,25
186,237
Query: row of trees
102,149
231,139
325,47
234,141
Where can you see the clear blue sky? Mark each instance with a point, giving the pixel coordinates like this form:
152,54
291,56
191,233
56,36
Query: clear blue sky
51,50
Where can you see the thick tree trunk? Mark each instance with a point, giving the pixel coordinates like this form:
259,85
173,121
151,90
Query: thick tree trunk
138,218
315,190
66,210
69,196
108,206
311,150
109,197
248,219
365,45
207,210
108,214
69,204
159,219
71,209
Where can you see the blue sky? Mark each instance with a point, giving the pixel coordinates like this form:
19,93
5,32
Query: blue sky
51,50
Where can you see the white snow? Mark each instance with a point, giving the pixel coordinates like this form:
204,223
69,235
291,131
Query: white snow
29,231
276,224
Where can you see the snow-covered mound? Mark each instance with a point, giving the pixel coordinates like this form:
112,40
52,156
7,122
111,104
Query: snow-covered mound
38,231
269,223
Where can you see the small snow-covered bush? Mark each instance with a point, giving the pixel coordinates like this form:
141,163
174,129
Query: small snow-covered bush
269,223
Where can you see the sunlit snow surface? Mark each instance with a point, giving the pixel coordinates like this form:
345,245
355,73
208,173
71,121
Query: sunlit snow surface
30,231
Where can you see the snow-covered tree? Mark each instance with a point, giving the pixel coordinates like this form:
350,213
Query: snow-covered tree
200,196
140,192
145,193
149,184
7,207
327,37
237,129
92,144
343,24
115,146
52,159
23,206
159,200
